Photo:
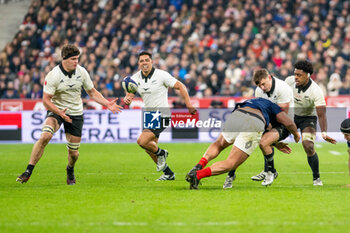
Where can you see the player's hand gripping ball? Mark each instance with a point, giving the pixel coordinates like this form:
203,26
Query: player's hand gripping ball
129,85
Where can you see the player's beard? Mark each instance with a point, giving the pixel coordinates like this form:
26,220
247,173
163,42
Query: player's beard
298,84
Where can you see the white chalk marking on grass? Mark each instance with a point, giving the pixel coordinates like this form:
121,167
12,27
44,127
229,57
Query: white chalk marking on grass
318,145
333,152
129,223
330,172
178,173
152,173
180,224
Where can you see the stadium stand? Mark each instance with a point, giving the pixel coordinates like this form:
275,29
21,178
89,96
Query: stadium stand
212,46
11,16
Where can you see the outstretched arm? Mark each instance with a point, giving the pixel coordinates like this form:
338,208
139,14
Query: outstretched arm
283,147
128,98
322,118
284,119
98,97
184,94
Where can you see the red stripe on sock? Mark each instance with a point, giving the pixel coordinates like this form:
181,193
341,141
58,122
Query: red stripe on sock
203,162
203,173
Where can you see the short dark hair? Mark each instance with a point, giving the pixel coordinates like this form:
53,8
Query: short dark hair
259,75
144,53
69,50
345,126
305,66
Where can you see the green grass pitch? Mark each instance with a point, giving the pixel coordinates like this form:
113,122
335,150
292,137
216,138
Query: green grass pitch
116,192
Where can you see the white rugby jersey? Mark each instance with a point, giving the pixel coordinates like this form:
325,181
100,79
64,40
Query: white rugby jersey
153,89
66,88
280,93
307,98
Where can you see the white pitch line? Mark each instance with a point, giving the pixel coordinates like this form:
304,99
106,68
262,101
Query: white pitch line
179,224
333,152
177,173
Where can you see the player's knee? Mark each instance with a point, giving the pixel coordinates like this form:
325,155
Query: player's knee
219,145
308,148
141,142
73,147
45,138
74,154
263,145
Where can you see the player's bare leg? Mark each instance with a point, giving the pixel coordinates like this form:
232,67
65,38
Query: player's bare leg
215,148
50,126
45,137
235,158
149,142
308,137
73,144
212,152
268,151
152,155
233,161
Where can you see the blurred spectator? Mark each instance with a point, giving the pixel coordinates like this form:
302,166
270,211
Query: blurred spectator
10,92
345,88
216,104
117,89
212,46
36,92
334,85
2,87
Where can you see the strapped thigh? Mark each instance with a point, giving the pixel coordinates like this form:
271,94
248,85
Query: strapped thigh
48,129
307,136
73,146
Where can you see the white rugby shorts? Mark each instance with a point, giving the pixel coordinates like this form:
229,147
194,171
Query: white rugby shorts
243,130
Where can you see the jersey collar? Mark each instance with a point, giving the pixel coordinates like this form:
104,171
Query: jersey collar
304,88
66,73
149,76
272,87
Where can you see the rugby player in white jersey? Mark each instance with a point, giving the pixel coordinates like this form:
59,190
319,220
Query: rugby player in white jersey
153,87
278,92
309,104
62,98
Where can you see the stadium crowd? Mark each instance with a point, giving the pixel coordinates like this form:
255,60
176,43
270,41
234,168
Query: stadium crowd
212,46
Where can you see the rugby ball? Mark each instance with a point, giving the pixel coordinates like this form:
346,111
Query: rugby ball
129,85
